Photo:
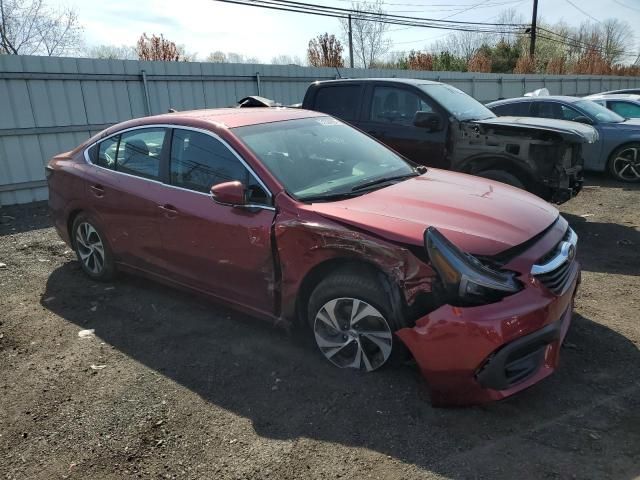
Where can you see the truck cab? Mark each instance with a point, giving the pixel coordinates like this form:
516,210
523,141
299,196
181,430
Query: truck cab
437,125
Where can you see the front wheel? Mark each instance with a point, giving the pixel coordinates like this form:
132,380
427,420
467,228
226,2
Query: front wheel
352,322
624,163
91,248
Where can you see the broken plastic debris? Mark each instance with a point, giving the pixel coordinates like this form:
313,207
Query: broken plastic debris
87,333
3,265
97,367
94,308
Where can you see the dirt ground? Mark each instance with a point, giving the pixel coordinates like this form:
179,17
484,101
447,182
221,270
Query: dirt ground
173,386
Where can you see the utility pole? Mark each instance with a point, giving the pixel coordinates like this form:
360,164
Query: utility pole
534,19
350,44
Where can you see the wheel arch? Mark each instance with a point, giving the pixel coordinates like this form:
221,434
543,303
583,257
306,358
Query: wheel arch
73,214
325,268
521,170
626,143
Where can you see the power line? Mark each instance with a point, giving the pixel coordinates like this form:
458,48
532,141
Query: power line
582,11
575,43
626,6
336,12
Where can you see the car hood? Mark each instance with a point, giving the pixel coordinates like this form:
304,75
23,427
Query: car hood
480,216
571,131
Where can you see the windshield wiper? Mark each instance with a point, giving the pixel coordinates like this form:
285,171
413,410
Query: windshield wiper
380,181
329,197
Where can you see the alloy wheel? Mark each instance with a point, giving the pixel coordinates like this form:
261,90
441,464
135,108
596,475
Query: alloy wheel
626,164
90,248
353,334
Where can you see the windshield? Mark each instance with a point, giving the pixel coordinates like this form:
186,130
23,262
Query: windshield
456,102
322,158
599,112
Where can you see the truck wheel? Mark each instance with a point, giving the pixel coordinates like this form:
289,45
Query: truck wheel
502,176
91,248
352,321
624,163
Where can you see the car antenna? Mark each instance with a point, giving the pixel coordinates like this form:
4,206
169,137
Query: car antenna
338,71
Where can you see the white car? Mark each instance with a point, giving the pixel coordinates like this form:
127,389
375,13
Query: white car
626,105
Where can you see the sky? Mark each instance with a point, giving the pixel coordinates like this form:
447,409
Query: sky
204,26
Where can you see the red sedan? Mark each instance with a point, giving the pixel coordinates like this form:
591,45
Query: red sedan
293,216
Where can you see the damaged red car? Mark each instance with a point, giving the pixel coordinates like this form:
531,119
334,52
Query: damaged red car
294,216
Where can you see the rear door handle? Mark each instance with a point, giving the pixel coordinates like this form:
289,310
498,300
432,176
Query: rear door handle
169,210
98,190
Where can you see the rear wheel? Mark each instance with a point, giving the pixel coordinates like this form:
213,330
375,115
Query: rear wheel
502,176
91,248
624,163
352,322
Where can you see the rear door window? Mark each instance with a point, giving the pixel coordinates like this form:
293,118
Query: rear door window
625,109
139,152
548,110
395,105
340,101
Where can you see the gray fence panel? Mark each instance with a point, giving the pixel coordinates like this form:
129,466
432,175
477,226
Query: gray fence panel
49,105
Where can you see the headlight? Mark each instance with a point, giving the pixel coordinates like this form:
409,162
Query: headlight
466,279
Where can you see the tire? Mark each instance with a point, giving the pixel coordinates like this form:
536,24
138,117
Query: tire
353,345
91,247
502,176
624,163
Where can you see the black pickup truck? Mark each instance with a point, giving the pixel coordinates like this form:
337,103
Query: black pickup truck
437,125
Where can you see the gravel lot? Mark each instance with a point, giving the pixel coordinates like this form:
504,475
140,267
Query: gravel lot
173,386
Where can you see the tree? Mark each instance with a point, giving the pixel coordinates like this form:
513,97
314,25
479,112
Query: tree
617,38
30,27
525,64
230,57
369,35
479,62
112,52
325,51
286,60
419,61
504,57
157,48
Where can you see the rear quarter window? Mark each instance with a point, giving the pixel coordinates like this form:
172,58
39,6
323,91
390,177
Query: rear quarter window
339,101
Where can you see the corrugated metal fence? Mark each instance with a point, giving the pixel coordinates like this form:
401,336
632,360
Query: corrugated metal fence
49,105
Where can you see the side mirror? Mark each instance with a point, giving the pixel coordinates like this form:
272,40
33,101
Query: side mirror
429,120
583,119
229,193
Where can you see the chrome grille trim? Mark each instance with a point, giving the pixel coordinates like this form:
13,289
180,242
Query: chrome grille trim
564,252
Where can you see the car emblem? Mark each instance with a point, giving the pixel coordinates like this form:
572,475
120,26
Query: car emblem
568,250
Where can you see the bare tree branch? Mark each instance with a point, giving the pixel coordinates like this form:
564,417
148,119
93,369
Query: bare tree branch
29,27
370,43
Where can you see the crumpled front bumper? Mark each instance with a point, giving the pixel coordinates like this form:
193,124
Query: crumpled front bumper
480,354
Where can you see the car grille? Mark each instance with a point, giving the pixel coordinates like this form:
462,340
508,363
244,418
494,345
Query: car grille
554,268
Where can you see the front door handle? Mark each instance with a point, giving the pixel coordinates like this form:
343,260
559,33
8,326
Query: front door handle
169,210
98,190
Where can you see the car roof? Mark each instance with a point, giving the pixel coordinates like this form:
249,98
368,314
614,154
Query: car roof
615,96
406,81
559,98
223,117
